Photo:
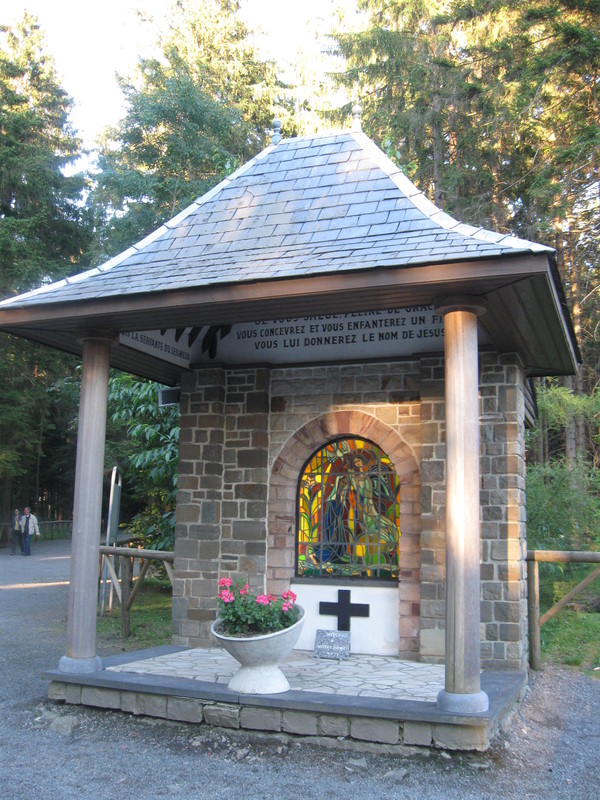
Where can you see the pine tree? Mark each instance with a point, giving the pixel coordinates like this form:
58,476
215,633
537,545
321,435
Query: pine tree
41,235
418,93
193,115
41,238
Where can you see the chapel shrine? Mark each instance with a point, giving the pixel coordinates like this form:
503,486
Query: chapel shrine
354,370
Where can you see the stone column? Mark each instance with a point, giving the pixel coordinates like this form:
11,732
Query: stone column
462,692
87,509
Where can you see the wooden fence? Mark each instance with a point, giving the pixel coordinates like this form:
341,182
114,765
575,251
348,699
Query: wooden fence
59,529
120,563
534,557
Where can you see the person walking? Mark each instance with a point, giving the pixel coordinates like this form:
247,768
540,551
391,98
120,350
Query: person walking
29,527
16,535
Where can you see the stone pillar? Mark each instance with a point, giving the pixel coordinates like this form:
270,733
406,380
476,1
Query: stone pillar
462,693
87,509
198,520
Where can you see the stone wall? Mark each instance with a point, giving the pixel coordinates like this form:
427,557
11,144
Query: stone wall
503,527
199,503
222,499
247,433
502,499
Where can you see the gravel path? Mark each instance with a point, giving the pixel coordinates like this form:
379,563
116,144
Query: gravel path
549,749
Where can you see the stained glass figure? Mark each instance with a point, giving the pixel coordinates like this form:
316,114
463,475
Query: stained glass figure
348,513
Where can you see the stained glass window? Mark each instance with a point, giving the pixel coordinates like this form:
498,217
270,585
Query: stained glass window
348,513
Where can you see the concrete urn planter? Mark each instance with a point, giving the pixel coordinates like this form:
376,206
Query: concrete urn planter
260,657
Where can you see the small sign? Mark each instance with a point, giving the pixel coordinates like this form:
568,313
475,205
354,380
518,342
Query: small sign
168,345
332,644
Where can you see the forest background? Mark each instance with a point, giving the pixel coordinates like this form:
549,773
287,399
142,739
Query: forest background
491,107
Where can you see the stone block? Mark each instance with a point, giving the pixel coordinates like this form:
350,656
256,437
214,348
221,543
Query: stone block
208,550
252,458
375,730
433,608
223,715
209,513
202,614
57,691
248,565
429,591
256,509
460,737
418,733
509,632
184,709
129,702
255,548
433,472
249,530
432,573
260,719
506,550
499,651
507,612
73,694
100,698
433,642
151,705
408,627
187,548
333,725
486,610
300,722
492,590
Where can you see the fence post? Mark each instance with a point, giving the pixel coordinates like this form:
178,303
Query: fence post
533,613
125,587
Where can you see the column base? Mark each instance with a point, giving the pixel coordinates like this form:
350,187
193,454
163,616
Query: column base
472,703
76,666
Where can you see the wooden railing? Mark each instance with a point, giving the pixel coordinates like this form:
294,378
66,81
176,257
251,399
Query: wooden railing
121,575
534,557
56,529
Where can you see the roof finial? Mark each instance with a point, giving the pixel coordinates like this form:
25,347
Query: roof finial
276,138
356,112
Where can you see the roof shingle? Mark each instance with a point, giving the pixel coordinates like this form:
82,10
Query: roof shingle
304,206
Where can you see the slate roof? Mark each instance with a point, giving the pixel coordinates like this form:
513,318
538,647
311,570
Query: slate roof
303,207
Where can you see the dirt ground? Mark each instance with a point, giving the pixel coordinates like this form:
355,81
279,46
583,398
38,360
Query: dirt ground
548,749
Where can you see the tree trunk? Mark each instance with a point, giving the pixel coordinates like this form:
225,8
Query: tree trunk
438,147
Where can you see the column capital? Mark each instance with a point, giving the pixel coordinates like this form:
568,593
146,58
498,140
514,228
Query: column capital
461,302
96,335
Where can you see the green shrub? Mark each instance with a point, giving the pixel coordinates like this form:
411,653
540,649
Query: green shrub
563,507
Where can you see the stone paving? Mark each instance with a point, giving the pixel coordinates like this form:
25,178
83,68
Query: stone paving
358,675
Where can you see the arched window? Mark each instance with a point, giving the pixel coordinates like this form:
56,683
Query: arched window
348,513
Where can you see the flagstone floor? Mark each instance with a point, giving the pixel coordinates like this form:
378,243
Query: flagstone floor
358,675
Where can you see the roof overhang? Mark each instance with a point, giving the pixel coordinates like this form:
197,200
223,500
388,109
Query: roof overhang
525,314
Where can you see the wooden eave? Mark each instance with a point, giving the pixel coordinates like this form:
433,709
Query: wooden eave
524,311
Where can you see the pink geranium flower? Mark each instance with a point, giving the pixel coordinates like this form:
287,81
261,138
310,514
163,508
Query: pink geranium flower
263,599
242,612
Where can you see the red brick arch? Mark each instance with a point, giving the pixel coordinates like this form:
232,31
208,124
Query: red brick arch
283,486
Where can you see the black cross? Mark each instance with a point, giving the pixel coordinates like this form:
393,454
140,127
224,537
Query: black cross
344,609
